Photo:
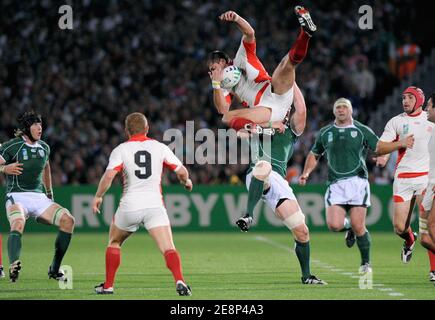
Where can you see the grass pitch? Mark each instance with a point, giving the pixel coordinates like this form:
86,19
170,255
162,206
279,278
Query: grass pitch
222,266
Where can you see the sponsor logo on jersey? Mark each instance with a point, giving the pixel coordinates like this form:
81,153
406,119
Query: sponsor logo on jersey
353,134
330,137
405,128
25,155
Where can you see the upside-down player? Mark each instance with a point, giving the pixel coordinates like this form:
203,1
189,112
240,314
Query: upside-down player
409,134
140,160
268,97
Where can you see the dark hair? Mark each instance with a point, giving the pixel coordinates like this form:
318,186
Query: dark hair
25,121
217,55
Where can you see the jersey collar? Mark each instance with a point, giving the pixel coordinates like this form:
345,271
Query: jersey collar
348,126
414,115
35,145
138,137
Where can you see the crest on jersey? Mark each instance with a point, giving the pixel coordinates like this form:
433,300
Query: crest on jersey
41,153
353,134
405,128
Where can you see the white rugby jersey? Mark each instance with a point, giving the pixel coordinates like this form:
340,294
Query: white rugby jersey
141,161
255,78
413,162
432,157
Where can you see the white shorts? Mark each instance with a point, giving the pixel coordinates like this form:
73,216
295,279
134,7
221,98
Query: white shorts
149,218
34,203
279,189
428,197
280,104
354,191
405,188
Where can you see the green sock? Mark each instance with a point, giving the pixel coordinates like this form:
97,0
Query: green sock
254,194
364,243
60,247
14,246
303,253
347,226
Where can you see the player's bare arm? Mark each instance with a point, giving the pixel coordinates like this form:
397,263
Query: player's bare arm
219,100
388,147
310,165
15,168
103,186
46,180
242,24
298,119
183,177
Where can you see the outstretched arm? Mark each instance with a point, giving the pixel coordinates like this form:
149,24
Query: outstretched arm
103,186
310,165
388,147
298,120
242,24
183,177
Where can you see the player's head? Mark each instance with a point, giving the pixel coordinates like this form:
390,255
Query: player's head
343,109
412,99
430,108
136,123
30,125
218,58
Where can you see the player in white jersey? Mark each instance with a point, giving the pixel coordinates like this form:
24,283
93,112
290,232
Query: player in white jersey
268,97
428,226
141,161
409,134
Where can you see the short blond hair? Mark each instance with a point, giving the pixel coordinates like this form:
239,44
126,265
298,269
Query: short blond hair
136,123
343,101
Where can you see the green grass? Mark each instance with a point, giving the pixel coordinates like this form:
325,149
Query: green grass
222,266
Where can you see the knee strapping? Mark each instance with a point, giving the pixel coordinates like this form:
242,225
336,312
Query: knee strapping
262,170
295,220
58,214
422,224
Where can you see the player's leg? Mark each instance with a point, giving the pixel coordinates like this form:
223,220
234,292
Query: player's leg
256,182
58,216
289,212
431,221
17,221
2,272
117,237
157,223
283,77
424,204
237,119
401,222
363,238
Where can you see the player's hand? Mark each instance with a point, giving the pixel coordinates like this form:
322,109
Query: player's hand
230,16
96,203
303,179
381,161
188,185
279,126
14,169
408,142
217,73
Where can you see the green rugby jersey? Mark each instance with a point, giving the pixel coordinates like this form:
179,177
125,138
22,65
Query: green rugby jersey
346,149
33,157
281,150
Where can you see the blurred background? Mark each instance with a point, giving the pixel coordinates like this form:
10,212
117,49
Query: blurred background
149,56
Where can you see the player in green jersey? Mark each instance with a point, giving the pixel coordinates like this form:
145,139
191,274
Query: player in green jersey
266,179
24,160
345,143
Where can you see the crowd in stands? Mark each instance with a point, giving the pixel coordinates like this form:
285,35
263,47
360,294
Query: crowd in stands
149,56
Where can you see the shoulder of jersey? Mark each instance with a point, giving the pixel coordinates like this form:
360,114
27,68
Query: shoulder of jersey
323,129
43,143
12,141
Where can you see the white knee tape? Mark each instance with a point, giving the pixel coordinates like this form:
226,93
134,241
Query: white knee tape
422,225
262,170
295,220
58,215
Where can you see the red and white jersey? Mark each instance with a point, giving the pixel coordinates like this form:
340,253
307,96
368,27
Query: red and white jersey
432,157
255,78
411,163
141,161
